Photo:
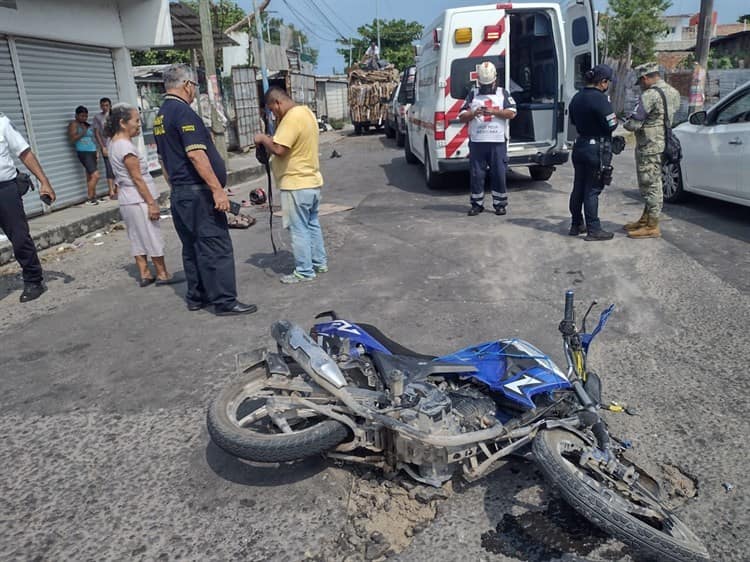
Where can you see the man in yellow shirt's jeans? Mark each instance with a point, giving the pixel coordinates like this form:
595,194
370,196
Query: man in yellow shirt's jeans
296,169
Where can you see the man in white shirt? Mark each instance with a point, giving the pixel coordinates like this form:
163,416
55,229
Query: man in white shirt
372,56
12,216
487,110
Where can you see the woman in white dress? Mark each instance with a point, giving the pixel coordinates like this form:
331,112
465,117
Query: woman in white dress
137,194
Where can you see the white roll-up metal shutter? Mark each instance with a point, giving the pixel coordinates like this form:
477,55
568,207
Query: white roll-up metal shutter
10,105
58,77
337,100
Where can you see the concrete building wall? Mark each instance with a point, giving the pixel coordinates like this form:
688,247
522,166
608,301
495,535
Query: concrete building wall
103,23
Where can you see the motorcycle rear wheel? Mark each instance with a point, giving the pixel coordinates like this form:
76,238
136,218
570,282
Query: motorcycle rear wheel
667,538
240,425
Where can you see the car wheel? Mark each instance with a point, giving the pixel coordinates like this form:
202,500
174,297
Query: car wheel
400,139
389,131
433,180
671,181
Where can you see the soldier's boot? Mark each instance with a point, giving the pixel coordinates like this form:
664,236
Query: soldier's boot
640,223
649,230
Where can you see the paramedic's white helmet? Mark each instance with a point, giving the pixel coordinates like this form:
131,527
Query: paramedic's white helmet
487,73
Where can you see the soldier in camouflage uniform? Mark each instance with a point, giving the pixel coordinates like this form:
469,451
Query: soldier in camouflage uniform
647,122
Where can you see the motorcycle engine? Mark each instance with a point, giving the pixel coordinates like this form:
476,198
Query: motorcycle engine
429,408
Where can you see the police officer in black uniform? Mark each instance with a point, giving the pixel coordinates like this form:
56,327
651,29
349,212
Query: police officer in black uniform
592,114
12,216
197,175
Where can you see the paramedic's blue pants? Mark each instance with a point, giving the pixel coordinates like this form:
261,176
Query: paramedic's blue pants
481,156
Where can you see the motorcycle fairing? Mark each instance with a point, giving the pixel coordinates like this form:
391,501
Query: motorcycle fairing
348,330
514,368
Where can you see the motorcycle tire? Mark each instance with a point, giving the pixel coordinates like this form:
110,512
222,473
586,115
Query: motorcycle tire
596,503
252,445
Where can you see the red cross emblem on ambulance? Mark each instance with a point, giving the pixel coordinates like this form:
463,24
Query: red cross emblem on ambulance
474,76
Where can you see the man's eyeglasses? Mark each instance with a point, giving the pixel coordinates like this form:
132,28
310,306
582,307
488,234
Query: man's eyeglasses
194,84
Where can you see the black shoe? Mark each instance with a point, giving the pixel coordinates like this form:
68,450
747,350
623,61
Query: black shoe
193,306
599,235
501,211
237,309
32,291
474,211
576,229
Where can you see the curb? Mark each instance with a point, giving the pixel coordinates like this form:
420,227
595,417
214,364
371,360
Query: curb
69,232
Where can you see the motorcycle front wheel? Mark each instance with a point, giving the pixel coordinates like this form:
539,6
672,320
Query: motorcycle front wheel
630,514
240,423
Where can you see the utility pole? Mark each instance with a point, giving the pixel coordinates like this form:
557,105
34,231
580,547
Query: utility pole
262,56
209,60
350,53
377,22
702,48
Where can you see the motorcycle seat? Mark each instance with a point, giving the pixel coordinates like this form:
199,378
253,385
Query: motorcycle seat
394,347
415,368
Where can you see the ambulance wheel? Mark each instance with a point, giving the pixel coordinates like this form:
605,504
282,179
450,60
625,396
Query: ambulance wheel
541,173
433,180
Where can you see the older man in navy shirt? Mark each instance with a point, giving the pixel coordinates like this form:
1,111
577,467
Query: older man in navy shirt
197,175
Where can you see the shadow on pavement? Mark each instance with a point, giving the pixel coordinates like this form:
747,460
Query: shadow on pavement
281,263
545,528
410,178
240,472
11,282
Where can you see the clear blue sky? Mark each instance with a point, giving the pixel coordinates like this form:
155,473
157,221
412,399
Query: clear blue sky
347,15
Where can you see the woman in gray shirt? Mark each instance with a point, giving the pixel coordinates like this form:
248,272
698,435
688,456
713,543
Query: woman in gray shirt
137,194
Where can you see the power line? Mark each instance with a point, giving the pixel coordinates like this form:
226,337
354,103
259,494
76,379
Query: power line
347,25
325,17
301,21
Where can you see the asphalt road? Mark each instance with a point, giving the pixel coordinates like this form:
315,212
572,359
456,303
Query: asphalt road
104,385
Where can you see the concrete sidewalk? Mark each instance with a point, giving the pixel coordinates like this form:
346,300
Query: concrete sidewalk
66,225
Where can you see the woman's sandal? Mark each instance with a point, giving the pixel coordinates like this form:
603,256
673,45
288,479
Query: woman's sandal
146,281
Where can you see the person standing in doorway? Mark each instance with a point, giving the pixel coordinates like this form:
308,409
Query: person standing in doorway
487,110
197,175
647,122
296,168
81,135
12,216
594,119
105,104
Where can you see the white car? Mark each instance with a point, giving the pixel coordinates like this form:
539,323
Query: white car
715,152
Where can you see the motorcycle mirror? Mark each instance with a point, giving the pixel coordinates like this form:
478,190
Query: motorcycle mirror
583,323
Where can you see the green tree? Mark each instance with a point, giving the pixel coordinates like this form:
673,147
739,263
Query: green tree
632,26
396,37
744,19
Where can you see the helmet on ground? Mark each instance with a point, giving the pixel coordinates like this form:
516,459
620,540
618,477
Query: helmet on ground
257,196
487,73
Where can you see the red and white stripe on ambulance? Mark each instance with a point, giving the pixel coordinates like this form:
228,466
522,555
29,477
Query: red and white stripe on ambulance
489,39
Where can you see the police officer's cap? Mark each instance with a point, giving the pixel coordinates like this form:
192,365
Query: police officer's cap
600,72
645,70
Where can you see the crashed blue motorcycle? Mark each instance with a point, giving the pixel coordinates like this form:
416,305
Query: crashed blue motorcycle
350,392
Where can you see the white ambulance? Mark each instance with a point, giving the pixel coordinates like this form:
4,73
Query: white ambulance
541,50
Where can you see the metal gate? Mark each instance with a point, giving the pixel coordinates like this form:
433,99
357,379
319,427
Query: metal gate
56,78
10,105
303,89
246,104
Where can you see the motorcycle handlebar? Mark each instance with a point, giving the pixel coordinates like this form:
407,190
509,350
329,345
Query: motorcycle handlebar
569,306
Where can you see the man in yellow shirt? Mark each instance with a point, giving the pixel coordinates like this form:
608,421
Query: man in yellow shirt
296,169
